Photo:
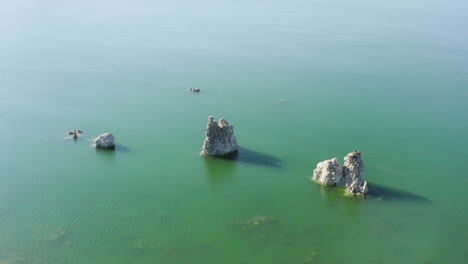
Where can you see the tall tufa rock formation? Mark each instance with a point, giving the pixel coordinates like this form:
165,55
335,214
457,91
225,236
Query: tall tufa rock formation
353,169
220,139
349,176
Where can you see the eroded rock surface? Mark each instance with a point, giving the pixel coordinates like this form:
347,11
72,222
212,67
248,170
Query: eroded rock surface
105,141
349,176
353,169
328,172
220,139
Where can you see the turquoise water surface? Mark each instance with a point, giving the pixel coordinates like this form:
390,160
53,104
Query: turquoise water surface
301,82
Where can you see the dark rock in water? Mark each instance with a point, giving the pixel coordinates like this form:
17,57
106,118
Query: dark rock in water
75,133
105,141
220,139
349,176
194,90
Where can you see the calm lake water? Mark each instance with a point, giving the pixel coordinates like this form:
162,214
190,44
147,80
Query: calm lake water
301,81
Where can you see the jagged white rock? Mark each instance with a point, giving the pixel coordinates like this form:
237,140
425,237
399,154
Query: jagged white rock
328,172
220,139
353,169
349,176
105,140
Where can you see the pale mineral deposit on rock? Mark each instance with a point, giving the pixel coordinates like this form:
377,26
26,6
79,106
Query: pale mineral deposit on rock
220,139
105,141
353,169
349,176
328,172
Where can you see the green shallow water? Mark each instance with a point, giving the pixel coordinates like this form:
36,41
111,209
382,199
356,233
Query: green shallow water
388,79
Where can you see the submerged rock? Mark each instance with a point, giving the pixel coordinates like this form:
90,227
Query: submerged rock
256,222
13,261
349,176
139,248
105,141
57,237
220,139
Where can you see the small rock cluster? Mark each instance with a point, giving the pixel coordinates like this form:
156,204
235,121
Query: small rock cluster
349,176
104,141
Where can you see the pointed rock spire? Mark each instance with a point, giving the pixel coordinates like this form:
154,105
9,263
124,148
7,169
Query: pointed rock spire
220,139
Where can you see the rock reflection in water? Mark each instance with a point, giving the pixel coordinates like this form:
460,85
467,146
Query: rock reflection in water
219,171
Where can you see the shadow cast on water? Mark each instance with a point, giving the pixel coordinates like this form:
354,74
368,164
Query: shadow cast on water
252,157
107,155
121,148
116,148
105,152
376,191
388,193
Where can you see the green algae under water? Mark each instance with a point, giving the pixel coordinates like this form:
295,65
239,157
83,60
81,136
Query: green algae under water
301,81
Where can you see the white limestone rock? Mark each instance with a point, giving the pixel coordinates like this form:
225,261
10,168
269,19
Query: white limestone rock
105,141
353,170
349,176
220,139
328,172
